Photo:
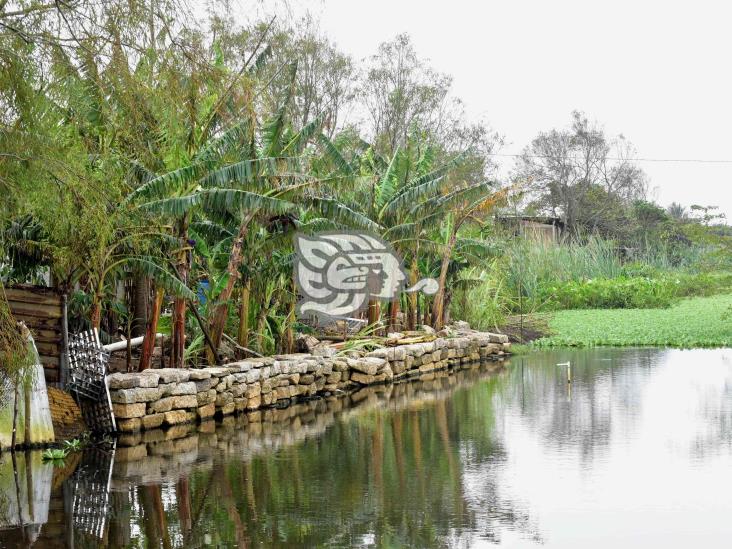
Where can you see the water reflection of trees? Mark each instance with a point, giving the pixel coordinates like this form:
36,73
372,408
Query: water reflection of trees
605,395
417,464
390,472
714,398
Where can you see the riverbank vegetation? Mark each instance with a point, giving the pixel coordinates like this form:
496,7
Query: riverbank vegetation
534,278
156,166
691,322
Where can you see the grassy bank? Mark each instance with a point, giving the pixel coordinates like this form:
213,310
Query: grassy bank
692,322
536,277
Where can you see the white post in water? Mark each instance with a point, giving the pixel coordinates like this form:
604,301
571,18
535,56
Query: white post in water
569,370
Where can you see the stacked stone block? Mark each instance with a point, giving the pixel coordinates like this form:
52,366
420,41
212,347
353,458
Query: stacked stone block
168,397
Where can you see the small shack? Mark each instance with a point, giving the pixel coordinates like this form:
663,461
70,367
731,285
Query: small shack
537,228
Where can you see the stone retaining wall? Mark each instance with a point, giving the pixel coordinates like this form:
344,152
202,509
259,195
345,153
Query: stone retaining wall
145,457
168,397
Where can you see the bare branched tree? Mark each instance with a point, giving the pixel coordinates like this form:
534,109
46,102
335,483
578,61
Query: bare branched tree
579,173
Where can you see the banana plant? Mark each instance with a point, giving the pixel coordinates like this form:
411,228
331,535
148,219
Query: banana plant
390,192
458,207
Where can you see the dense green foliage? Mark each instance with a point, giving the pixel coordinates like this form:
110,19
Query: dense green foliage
692,322
176,158
156,167
636,292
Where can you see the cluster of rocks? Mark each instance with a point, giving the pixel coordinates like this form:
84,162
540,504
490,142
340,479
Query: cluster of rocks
168,397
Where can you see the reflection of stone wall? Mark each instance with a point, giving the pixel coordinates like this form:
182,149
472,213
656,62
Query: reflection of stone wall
158,455
169,397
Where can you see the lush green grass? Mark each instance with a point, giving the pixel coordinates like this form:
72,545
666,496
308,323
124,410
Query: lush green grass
637,292
693,322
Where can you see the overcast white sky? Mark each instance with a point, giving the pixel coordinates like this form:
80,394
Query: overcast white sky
658,72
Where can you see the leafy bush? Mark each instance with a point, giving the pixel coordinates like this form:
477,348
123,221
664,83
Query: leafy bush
616,293
703,284
636,292
54,454
73,445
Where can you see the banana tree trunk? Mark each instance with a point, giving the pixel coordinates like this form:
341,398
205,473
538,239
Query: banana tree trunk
265,308
151,329
439,302
261,321
289,339
394,314
446,308
96,311
374,312
140,302
243,334
178,339
236,257
412,298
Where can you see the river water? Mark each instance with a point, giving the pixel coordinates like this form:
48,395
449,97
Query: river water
635,451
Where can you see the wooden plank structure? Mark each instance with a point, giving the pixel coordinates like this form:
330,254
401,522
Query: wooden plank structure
43,312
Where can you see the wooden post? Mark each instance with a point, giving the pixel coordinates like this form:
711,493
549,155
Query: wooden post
243,334
178,339
64,373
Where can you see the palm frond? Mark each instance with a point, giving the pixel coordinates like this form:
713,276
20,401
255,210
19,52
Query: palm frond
333,154
140,174
464,199
387,183
438,172
303,137
401,232
237,135
166,184
218,201
275,127
248,171
210,230
150,267
407,198
235,200
261,61
340,213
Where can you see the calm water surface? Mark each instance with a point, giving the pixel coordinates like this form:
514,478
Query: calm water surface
636,451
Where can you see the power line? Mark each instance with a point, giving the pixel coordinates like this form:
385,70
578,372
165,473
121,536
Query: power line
676,160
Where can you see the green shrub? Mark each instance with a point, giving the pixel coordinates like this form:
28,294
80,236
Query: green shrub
54,454
616,293
633,292
702,284
536,276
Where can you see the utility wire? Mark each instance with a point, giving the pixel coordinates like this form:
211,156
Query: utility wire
680,160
